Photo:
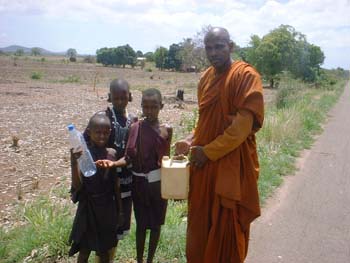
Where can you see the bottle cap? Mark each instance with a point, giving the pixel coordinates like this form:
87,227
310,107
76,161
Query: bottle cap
70,127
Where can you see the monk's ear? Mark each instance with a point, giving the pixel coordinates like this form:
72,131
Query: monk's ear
161,106
130,97
231,45
109,98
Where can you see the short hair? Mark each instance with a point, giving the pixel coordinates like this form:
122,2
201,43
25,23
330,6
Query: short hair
119,84
218,32
152,92
99,118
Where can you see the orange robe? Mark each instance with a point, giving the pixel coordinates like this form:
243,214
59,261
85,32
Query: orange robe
223,198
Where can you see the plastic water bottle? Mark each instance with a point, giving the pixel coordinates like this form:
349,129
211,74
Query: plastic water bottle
77,142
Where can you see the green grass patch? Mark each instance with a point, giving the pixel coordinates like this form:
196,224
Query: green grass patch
47,224
36,75
71,79
44,234
171,247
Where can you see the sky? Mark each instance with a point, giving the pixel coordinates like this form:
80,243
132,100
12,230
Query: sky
88,25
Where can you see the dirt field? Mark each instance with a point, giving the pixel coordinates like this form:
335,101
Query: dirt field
38,111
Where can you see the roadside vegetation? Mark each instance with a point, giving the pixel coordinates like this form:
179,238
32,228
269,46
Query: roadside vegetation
291,123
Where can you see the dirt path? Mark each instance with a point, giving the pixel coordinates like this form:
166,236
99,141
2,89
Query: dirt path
308,220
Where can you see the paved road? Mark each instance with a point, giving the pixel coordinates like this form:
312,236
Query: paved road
308,220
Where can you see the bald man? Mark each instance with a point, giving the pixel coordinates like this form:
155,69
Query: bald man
223,198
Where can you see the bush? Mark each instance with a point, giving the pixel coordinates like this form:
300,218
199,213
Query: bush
71,79
148,70
73,59
289,91
89,59
36,75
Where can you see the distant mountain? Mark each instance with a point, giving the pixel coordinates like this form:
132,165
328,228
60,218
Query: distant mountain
27,50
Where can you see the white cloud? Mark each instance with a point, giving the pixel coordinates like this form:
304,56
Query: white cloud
324,22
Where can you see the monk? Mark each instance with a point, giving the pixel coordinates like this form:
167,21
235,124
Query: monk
223,198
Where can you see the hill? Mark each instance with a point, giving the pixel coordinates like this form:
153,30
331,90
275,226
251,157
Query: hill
27,50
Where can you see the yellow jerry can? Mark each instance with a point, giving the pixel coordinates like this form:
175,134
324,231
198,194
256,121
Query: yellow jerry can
175,175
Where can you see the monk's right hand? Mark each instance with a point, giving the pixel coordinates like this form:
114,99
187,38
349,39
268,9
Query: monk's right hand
182,147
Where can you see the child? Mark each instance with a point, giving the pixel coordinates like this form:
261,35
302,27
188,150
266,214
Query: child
95,223
148,143
120,95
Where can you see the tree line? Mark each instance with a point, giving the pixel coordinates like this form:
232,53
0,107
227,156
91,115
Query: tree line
118,56
282,49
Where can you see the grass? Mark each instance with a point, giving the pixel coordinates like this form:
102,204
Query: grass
47,224
36,75
290,125
171,247
44,234
70,79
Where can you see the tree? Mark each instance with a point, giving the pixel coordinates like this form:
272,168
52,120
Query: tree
35,51
267,60
187,53
139,54
149,56
160,56
130,56
284,49
316,56
19,52
254,42
308,61
173,60
103,56
119,56
273,53
72,54
193,52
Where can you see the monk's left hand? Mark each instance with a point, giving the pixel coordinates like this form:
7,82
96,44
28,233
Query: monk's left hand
198,157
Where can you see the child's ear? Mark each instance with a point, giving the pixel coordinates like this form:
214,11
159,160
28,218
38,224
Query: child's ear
130,97
109,98
161,106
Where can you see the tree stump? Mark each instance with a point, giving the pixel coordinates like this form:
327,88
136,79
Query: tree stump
180,94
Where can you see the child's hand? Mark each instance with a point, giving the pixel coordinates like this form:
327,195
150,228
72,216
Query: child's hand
182,147
179,157
74,155
104,163
164,132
